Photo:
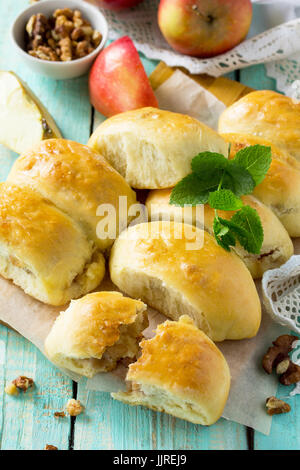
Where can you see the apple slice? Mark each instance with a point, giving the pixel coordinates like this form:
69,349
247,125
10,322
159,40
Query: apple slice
23,119
118,81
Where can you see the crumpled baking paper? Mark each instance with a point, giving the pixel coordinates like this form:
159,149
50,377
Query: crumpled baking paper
250,385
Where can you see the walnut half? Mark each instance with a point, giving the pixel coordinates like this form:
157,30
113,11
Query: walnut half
50,447
278,352
276,407
23,383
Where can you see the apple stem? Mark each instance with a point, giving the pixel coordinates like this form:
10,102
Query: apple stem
207,18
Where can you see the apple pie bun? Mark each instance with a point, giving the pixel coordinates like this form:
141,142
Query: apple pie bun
280,190
277,246
180,269
95,332
43,250
266,114
180,372
76,179
152,148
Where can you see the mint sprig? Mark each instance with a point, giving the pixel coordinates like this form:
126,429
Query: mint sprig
221,183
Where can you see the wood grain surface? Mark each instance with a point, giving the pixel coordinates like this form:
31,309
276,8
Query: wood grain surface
27,421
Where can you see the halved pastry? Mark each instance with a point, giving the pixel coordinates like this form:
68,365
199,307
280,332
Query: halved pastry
180,269
277,246
180,372
78,181
95,332
280,190
43,250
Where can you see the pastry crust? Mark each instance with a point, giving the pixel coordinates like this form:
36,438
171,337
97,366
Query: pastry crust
77,180
43,250
180,372
277,246
95,332
155,263
266,114
280,190
152,148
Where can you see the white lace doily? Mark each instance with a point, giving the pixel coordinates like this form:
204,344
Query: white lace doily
274,44
281,291
281,295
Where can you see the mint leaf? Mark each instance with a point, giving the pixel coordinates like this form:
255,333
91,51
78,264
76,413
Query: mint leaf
238,179
256,159
208,161
224,199
209,167
222,234
234,228
248,220
188,191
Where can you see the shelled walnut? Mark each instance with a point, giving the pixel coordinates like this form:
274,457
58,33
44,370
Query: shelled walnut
64,36
23,383
277,357
276,407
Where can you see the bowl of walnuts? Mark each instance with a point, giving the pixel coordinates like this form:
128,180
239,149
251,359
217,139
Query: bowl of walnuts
59,39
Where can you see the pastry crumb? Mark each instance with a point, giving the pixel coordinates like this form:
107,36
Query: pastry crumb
74,407
11,389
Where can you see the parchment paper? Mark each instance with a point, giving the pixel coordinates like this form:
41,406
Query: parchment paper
250,385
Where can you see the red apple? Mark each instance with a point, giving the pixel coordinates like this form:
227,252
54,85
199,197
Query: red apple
117,4
118,81
204,28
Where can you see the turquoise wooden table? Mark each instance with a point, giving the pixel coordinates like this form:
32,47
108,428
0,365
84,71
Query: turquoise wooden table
27,421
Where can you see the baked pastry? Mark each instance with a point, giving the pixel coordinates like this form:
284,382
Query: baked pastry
77,180
43,250
266,114
153,148
180,372
277,246
95,332
180,269
280,190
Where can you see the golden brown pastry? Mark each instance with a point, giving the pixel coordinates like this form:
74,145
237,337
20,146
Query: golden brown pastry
43,250
153,148
180,372
77,180
95,332
266,114
179,269
280,190
277,246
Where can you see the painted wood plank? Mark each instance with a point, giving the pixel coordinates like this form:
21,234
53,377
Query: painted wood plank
107,424
27,421
285,431
256,77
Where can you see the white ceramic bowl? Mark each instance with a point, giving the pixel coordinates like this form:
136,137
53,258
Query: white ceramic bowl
58,70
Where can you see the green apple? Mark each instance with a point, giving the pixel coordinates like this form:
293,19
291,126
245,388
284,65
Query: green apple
23,119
